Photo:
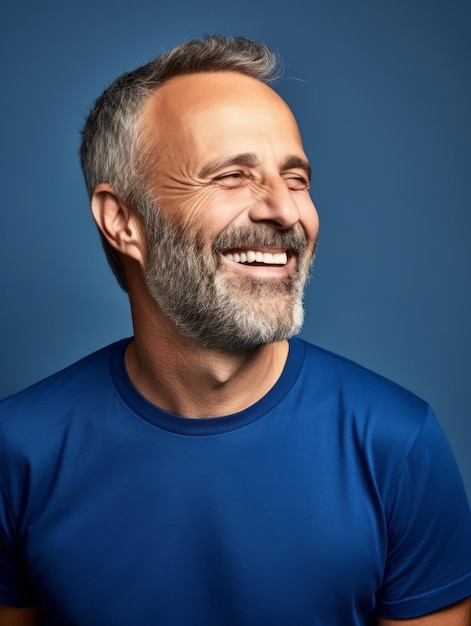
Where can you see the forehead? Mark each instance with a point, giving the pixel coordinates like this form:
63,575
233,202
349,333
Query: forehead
209,109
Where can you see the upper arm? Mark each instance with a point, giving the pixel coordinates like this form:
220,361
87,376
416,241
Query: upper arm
13,616
428,562
455,615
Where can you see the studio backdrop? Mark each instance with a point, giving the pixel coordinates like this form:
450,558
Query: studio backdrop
381,91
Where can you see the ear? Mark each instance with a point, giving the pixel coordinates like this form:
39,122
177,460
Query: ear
118,223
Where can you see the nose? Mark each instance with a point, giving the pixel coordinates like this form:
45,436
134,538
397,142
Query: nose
276,206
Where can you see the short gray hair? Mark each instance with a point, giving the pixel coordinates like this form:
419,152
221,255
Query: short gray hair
109,151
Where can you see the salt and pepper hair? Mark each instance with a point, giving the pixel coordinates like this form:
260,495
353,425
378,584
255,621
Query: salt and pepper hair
110,151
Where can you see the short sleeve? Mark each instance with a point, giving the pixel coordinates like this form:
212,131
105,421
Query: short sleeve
14,588
429,531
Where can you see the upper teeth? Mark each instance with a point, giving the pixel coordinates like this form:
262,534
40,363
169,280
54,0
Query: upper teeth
250,256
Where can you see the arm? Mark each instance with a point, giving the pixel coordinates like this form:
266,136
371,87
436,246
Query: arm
429,549
456,615
13,616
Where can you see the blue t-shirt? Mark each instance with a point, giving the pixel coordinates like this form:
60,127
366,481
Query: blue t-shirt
331,500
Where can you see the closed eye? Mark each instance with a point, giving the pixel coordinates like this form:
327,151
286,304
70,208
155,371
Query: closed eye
230,180
296,182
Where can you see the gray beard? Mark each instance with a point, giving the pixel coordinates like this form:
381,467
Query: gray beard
214,306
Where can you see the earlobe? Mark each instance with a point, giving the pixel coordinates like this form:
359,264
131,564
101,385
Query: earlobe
118,223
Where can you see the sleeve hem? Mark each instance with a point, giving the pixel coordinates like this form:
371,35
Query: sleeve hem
11,598
426,603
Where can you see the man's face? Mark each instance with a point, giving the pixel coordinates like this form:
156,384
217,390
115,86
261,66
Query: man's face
231,245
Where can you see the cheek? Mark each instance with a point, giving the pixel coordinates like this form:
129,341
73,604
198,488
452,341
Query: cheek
212,209
184,207
309,218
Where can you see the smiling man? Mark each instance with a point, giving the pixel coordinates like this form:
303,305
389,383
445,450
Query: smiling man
213,469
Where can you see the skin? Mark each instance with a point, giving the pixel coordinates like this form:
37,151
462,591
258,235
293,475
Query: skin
11,616
203,124
456,615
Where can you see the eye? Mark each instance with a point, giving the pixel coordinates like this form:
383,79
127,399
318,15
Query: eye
296,182
230,180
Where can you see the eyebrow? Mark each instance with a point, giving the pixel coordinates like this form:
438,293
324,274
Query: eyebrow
298,163
249,159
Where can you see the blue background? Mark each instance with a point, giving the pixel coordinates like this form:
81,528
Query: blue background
382,94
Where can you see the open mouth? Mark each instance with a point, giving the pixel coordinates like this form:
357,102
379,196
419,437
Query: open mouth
256,257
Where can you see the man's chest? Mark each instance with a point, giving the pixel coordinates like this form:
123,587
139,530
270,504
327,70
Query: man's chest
209,535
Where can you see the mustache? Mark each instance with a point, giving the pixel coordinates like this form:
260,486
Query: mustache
261,236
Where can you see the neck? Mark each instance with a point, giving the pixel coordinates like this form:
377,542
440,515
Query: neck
184,378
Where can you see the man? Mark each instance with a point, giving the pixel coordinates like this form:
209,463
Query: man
213,470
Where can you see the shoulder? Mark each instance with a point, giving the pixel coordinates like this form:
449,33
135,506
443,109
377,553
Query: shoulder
356,387
39,411
46,429
387,433
74,377
376,421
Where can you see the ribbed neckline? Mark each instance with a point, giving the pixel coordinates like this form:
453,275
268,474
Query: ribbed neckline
207,425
